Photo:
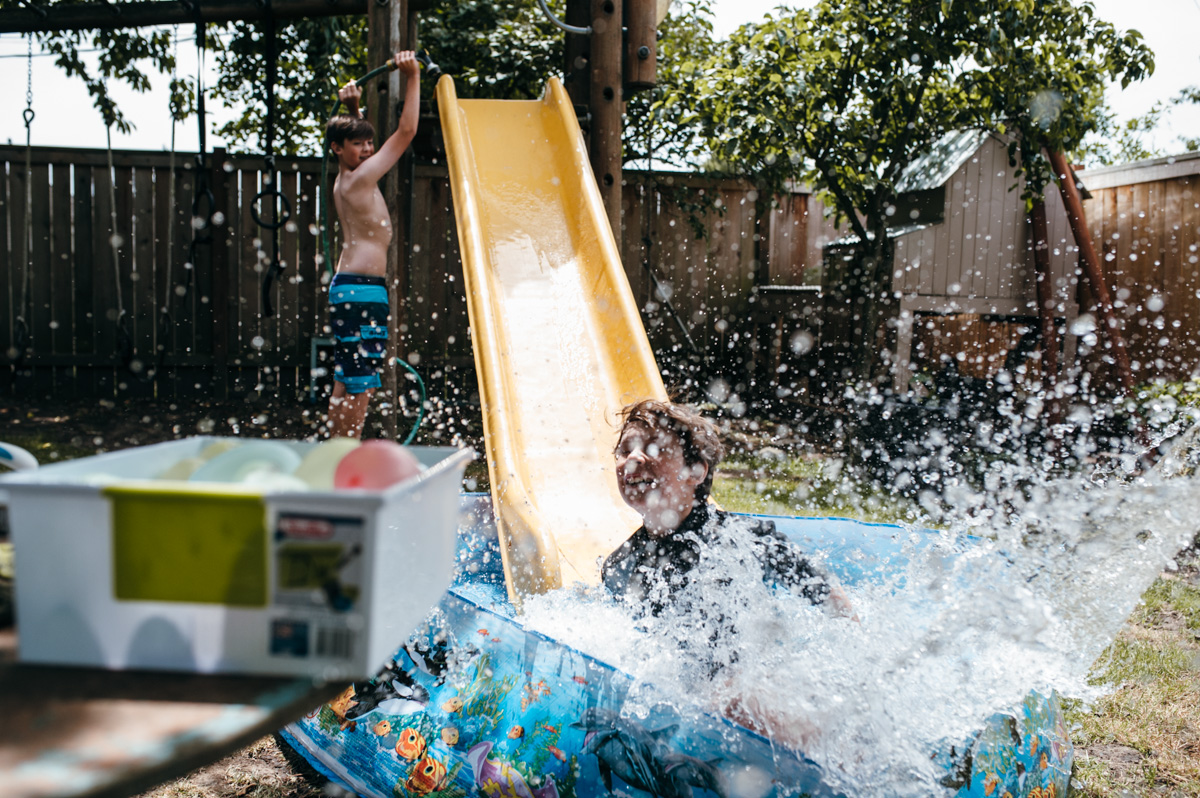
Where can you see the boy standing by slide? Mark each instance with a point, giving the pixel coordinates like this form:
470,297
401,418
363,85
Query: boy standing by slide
358,298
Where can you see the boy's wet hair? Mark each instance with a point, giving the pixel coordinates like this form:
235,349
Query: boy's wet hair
344,126
699,437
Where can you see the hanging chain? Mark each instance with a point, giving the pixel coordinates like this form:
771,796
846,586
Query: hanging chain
29,82
165,322
22,332
115,241
171,184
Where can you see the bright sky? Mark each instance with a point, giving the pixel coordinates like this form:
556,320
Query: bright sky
65,115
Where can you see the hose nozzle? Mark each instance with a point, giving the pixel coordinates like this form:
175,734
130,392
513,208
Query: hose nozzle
431,69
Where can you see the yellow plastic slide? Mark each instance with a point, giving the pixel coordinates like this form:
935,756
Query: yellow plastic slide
559,345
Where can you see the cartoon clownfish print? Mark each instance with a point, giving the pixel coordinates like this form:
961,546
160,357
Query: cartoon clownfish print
411,745
426,776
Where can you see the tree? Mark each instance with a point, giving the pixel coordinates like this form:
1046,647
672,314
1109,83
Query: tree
123,55
506,50
1115,142
314,57
498,49
657,131
495,49
847,95
1130,140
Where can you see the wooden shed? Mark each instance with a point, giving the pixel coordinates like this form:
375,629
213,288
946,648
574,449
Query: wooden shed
964,278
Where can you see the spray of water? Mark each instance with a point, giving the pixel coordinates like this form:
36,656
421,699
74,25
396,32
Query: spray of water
1022,590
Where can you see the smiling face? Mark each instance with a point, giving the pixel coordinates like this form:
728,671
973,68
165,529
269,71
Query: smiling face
654,477
353,151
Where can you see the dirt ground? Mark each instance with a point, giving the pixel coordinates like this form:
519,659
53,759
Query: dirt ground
267,768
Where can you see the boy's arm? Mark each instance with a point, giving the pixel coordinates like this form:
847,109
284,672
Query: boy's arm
387,155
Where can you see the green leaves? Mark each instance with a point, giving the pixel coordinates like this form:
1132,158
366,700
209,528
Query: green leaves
847,94
861,87
121,54
495,49
314,58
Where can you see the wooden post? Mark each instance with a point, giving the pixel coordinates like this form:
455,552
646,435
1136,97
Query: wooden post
641,44
1040,241
577,52
386,33
605,107
1091,264
902,369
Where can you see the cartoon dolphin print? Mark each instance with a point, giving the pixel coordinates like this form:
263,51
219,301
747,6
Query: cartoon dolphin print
439,659
641,757
392,692
498,779
685,772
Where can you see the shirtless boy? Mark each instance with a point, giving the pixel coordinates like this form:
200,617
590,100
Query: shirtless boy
358,299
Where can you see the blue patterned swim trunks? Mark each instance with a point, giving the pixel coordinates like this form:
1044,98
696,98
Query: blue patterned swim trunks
358,311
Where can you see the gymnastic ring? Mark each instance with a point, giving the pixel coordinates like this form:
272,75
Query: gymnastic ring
285,207
203,194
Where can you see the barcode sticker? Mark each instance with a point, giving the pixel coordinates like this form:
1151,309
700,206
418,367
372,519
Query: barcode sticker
334,642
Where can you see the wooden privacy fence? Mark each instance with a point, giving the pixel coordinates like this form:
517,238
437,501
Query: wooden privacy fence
1145,224
105,308
724,291
194,313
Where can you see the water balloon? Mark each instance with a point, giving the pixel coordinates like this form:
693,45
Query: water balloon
375,465
236,464
319,464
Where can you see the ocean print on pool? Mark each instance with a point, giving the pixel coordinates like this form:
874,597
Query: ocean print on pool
476,704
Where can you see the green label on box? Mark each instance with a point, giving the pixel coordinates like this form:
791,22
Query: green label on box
203,547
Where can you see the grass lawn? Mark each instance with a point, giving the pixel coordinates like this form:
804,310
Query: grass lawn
1144,737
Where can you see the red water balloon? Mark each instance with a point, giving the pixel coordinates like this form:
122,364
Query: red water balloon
375,465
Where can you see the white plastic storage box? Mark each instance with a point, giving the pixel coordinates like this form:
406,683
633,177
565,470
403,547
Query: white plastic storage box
117,569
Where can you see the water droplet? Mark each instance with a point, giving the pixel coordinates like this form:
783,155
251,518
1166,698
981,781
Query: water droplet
1083,324
801,342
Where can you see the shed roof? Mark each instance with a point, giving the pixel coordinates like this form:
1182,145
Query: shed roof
892,232
934,167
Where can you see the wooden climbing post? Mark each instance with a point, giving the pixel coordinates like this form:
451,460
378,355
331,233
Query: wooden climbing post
605,105
387,33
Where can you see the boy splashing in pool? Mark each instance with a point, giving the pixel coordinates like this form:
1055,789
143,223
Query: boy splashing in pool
692,569
358,298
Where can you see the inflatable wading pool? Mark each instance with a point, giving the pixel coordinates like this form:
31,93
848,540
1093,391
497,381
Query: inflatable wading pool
527,717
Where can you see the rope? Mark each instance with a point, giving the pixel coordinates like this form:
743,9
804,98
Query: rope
201,225
201,221
21,330
164,318
201,47
281,207
125,348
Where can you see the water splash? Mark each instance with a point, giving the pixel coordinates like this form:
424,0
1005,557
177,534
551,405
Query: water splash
1023,590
